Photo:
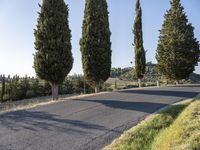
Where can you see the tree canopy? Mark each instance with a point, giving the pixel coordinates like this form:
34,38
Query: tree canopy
95,42
53,58
178,49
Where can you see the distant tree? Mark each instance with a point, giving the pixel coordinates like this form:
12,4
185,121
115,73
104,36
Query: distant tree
115,84
95,43
1,77
53,58
67,87
46,87
24,86
3,88
140,59
36,86
178,49
78,84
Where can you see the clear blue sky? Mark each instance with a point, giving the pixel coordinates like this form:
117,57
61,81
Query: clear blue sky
18,19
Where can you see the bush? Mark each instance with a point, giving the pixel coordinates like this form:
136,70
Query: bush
22,88
30,94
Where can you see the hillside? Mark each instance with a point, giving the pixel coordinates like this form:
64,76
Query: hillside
152,75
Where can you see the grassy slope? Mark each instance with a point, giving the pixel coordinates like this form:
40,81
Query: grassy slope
142,136
184,133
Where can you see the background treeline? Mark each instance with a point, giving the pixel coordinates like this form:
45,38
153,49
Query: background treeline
17,88
151,75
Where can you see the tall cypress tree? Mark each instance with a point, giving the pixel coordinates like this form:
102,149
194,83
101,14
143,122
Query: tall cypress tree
53,59
3,88
95,43
140,58
178,49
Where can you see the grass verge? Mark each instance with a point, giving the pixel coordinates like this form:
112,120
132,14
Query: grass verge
184,133
143,135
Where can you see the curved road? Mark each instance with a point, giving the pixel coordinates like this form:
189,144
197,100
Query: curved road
87,123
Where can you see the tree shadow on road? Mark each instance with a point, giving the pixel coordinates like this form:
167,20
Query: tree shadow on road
39,121
147,107
181,94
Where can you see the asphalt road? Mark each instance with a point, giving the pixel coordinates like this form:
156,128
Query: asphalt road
85,124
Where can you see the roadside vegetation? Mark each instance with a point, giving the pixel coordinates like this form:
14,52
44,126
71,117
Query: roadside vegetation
18,88
184,133
174,128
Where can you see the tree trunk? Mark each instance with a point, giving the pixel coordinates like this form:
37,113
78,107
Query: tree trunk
84,90
115,84
54,91
158,84
139,83
97,87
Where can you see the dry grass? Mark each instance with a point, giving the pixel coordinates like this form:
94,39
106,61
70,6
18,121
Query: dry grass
184,133
142,136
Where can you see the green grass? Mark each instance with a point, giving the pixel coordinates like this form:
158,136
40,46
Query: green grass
142,136
184,133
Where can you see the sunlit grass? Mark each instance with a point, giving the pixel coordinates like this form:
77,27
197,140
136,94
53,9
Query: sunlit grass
184,133
142,136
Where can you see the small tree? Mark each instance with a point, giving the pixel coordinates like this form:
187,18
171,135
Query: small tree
140,59
178,50
3,88
53,58
95,43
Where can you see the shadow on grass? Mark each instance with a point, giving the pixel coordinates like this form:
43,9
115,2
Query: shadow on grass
143,136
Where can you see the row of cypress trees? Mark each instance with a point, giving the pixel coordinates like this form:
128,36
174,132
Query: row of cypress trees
177,52
53,59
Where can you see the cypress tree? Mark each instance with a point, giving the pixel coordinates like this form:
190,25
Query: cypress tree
140,58
3,88
95,43
53,58
178,49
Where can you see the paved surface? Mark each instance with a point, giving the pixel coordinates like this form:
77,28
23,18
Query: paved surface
85,124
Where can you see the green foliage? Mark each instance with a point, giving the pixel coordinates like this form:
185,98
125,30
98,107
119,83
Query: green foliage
178,49
53,59
183,134
67,87
142,136
17,88
140,58
78,84
130,75
117,72
151,74
3,88
95,42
